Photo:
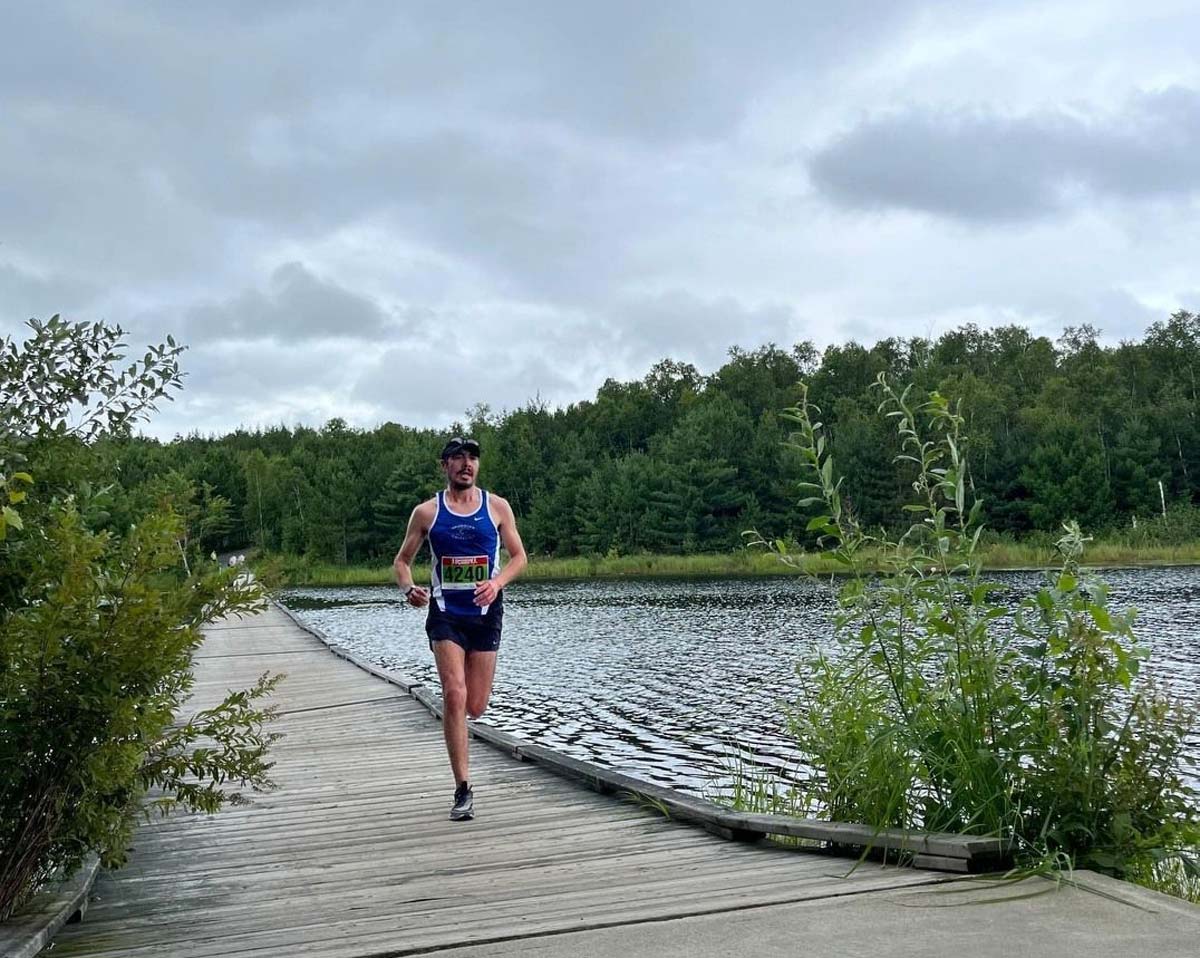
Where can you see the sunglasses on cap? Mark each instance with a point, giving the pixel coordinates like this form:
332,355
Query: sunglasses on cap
458,444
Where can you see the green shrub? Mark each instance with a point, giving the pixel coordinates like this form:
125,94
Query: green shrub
939,711
98,626
1178,526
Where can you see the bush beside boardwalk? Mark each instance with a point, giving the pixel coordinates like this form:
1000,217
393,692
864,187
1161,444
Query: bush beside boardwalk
933,716
99,618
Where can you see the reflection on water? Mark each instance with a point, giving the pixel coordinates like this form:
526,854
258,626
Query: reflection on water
665,679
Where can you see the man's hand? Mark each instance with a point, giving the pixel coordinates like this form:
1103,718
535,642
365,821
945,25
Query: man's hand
486,592
418,598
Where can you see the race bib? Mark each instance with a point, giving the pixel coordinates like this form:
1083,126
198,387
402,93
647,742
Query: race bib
465,572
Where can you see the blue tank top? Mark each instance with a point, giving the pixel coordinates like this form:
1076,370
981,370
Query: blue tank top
465,551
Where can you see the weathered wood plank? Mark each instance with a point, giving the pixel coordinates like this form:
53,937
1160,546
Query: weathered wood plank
650,873
353,853
32,929
489,914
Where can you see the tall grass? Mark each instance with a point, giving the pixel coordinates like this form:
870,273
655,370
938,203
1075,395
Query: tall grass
934,716
746,786
1178,876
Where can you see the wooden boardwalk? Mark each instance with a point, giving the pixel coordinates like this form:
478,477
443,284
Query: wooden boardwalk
353,854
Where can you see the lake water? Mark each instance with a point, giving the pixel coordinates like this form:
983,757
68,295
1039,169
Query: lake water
668,679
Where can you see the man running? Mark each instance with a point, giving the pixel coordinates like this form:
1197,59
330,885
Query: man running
465,527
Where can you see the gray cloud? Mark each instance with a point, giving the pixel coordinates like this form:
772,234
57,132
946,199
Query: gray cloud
296,306
230,384
983,165
24,296
679,325
520,142
438,380
583,188
1117,313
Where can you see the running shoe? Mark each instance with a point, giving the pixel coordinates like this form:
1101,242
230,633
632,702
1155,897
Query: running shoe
464,804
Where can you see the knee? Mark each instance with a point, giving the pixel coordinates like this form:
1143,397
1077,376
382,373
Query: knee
476,707
454,698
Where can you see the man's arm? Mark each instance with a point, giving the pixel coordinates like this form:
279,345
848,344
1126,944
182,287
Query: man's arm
418,529
510,538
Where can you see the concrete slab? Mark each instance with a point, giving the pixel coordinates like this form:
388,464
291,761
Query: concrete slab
1097,918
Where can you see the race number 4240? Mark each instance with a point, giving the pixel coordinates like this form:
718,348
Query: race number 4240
464,572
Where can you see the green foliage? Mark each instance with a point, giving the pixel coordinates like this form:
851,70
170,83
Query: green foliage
745,786
65,380
1066,476
195,764
99,618
679,462
939,712
13,490
204,517
96,661
414,479
1177,875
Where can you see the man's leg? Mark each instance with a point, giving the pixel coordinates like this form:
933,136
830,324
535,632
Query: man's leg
480,671
451,661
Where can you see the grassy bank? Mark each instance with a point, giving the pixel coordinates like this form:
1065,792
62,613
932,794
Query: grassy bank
296,571
1102,554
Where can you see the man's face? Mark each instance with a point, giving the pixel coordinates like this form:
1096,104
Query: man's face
461,469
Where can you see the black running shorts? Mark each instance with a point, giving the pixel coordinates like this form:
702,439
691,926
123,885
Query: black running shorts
474,633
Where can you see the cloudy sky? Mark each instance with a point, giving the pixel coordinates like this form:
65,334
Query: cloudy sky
394,211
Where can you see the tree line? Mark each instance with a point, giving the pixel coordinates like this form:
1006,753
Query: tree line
681,462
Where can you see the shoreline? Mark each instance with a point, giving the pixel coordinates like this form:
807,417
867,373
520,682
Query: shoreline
294,572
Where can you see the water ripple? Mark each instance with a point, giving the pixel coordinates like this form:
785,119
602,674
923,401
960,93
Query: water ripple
669,679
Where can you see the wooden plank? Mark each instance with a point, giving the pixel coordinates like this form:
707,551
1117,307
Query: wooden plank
29,931
426,924
426,697
643,872
275,653
942,863
388,675
932,846
353,853
504,741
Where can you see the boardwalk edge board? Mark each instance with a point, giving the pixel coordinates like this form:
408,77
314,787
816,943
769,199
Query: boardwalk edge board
34,927
936,851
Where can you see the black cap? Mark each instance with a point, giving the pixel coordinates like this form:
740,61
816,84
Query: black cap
458,444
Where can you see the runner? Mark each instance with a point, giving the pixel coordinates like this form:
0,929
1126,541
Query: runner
465,527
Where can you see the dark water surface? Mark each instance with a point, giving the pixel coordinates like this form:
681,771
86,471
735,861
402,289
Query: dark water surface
667,679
